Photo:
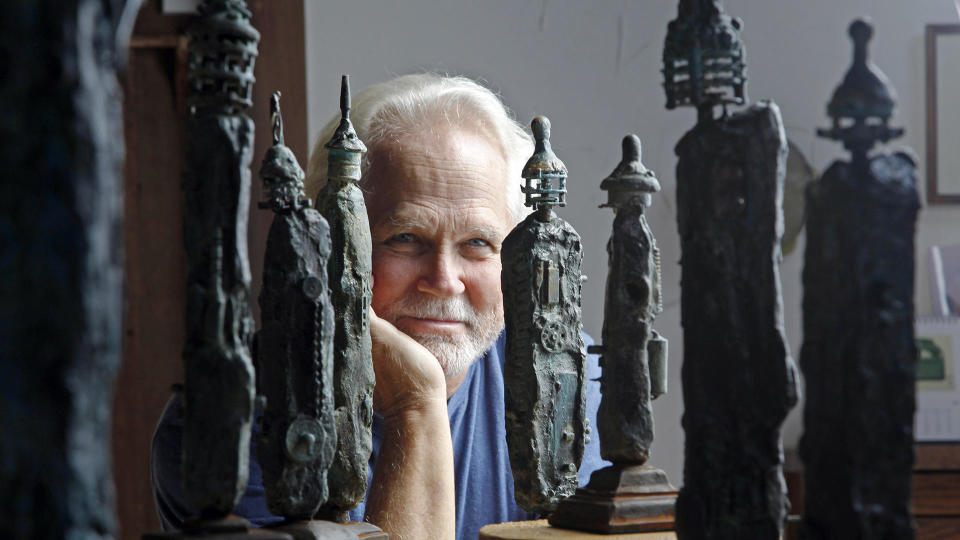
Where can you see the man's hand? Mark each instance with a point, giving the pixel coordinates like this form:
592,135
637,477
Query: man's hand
412,492
409,377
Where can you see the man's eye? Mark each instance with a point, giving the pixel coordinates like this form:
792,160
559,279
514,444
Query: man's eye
477,242
402,238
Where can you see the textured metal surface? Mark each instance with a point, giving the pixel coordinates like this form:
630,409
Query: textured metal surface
738,377
633,300
703,57
219,377
545,364
341,203
61,303
858,354
294,351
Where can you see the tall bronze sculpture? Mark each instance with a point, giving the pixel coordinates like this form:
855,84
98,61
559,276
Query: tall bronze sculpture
627,496
738,377
295,343
61,255
545,363
349,272
858,352
219,377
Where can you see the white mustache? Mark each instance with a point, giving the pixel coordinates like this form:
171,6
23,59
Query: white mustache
445,309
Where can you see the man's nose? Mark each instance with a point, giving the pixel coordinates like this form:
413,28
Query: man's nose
442,276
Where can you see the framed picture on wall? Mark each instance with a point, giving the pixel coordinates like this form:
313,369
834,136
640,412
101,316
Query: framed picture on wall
943,113
938,379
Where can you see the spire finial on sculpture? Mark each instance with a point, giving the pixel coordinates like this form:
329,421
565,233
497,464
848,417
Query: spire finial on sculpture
630,183
542,170
280,172
345,147
862,105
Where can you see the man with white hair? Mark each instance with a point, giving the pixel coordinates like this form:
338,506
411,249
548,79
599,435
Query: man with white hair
441,181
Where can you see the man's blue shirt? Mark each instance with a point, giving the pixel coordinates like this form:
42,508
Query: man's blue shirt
482,474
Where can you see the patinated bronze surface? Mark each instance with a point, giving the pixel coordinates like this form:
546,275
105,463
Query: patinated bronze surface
219,378
294,350
739,381
341,203
627,496
858,354
61,255
545,364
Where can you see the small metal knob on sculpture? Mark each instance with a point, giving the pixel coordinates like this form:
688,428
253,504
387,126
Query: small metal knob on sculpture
630,183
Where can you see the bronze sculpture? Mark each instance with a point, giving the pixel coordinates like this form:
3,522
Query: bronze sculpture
294,349
627,496
858,354
219,377
738,378
545,361
61,247
341,203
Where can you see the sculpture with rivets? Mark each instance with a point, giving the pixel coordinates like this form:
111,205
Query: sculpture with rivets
858,355
627,496
294,353
545,363
739,381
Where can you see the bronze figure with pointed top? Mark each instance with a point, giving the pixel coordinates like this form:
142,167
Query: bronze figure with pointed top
858,355
341,203
627,496
545,360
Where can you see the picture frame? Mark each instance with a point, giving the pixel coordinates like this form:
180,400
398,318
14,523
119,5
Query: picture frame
938,379
943,113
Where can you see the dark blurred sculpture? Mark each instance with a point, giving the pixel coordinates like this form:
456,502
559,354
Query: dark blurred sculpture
738,377
61,257
545,363
219,378
295,343
341,203
627,496
858,354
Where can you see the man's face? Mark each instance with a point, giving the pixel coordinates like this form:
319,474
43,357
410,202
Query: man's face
438,215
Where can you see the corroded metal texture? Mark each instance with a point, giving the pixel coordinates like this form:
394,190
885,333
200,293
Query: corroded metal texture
631,349
61,302
341,203
627,496
294,353
703,57
219,378
738,377
545,364
858,354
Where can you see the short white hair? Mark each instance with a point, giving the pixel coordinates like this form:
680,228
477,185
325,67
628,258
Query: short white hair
425,101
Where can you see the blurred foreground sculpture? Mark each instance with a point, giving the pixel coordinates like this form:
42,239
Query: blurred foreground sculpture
627,496
341,202
738,377
61,256
858,354
545,363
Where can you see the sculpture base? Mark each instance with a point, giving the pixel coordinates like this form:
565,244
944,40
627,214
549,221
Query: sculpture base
227,528
541,530
620,499
328,530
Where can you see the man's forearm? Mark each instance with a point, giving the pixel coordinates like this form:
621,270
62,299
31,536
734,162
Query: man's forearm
412,490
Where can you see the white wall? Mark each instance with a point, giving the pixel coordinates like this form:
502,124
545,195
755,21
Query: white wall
594,69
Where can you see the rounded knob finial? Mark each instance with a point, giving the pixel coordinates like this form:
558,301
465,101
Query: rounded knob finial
541,128
861,31
631,148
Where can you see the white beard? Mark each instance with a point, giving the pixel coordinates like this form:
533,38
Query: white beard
455,353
